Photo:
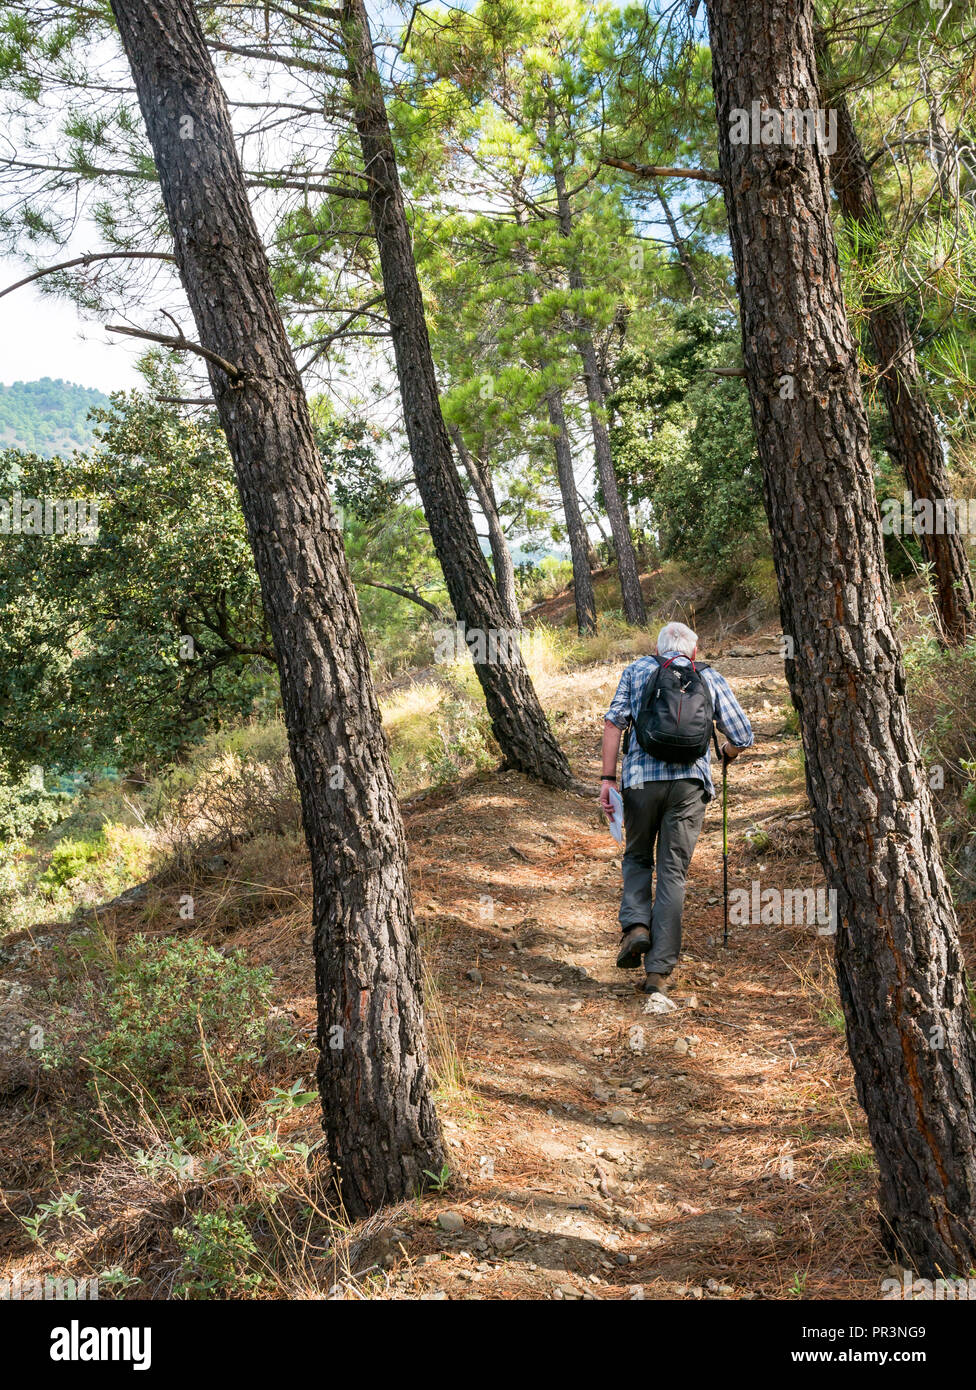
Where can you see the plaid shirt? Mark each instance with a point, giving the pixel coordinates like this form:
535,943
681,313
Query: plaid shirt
639,767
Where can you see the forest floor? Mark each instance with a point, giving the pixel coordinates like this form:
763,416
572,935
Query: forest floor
596,1150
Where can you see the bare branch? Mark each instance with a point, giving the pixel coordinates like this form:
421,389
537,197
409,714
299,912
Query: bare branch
278,56
410,594
180,344
660,171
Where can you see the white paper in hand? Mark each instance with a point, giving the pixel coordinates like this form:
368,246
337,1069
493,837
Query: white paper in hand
617,817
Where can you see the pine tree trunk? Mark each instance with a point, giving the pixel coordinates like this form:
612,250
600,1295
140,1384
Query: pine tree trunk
680,244
517,718
373,1072
501,556
579,541
580,549
627,572
915,440
899,966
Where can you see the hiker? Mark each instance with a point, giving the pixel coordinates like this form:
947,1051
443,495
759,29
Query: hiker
667,703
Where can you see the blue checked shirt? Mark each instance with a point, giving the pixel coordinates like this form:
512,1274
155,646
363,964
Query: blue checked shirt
639,767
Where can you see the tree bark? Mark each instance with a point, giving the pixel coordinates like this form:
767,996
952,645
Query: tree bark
518,720
579,541
915,440
899,966
373,1072
627,572
501,556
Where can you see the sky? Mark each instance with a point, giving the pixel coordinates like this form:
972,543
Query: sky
41,335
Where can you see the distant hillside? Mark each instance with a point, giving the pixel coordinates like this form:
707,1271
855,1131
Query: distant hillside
47,417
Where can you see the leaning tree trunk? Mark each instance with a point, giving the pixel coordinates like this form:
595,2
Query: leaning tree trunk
628,573
680,242
517,718
915,440
379,1118
899,966
501,556
579,541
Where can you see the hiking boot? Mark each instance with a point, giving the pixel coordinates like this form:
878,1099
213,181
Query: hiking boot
635,941
654,984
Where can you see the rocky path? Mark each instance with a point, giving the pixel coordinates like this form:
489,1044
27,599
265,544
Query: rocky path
601,1150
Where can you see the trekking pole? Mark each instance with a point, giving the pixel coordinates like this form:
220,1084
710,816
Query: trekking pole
725,847
725,840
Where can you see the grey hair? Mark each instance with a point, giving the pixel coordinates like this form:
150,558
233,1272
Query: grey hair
676,637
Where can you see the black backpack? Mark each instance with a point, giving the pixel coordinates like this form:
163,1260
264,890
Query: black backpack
674,722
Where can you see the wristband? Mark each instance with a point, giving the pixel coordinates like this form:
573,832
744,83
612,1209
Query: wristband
606,778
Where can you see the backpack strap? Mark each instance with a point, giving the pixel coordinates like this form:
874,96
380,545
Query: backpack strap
659,667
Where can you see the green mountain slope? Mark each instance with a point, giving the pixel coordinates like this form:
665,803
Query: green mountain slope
47,417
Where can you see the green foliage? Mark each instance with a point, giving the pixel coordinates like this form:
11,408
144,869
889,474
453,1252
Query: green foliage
70,860
393,546
462,740
130,649
47,417
60,1210
218,1255
539,580
684,443
942,693
355,480
182,1027
26,809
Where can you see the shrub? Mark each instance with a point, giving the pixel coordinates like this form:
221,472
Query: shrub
182,1024
537,582
26,810
235,786
218,1254
70,860
99,866
942,694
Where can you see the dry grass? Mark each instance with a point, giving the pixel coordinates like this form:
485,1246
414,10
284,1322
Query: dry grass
593,1148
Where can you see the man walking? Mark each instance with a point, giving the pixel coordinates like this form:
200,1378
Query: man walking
667,703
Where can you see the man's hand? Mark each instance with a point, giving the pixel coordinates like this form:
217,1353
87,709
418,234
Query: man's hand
605,806
730,752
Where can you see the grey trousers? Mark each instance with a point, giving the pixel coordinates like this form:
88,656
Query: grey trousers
665,817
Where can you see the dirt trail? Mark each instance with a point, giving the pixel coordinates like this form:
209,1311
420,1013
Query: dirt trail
597,1151
601,1151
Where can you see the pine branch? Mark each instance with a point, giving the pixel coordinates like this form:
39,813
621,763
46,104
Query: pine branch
89,259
